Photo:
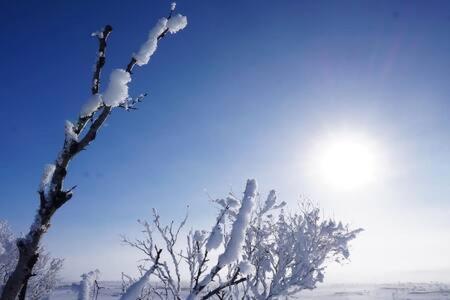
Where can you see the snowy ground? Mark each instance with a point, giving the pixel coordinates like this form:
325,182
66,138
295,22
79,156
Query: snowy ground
405,291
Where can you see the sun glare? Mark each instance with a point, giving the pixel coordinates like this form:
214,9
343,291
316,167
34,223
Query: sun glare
347,161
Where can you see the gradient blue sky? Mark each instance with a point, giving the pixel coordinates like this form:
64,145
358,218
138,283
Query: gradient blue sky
244,91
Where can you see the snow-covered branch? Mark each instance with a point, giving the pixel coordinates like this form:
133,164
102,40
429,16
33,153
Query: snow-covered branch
170,24
136,290
95,101
99,106
230,283
170,237
87,288
102,37
234,246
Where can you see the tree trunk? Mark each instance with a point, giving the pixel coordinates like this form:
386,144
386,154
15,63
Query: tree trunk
23,291
28,256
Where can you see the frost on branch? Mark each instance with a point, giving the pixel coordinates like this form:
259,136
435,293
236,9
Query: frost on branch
45,270
98,34
46,179
166,272
199,236
8,252
117,91
46,279
70,134
264,253
291,251
88,285
138,289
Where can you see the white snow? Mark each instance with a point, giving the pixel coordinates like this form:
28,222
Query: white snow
91,105
149,47
232,202
234,246
173,25
117,91
2,249
199,236
98,34
47,177
173,5
176,23
70,134
221,202
134,291
215,238
350,291
87,284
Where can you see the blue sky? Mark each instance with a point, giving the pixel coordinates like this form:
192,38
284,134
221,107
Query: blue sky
244,91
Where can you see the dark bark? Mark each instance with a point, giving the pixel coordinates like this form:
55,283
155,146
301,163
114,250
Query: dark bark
23,291
198,287
101,59
232,282
200,268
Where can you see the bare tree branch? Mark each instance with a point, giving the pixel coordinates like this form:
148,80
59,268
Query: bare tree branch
229,283
101,59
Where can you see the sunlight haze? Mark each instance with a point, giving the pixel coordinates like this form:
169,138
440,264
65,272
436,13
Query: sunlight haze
344,104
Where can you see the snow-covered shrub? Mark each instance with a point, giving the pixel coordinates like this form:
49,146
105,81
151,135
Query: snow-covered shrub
45,272
88,287
263,252
290,251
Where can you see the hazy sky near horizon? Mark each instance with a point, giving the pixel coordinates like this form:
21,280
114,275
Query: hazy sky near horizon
248,90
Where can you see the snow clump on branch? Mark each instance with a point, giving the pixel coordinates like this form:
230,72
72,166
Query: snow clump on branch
149,47
173,25
176,23
91,106
87,285
233,249
135,290
117,91
199,236
215,238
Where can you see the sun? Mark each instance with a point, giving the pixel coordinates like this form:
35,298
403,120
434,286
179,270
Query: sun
347,160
